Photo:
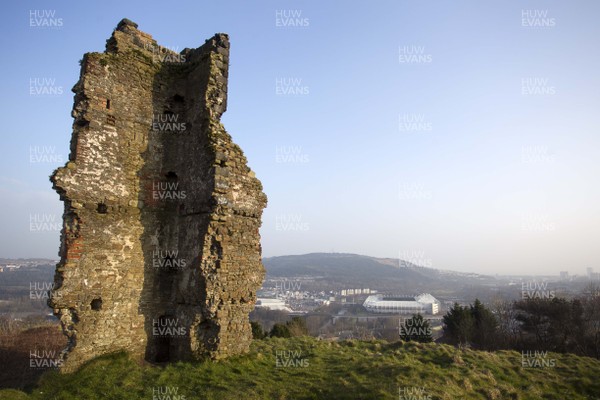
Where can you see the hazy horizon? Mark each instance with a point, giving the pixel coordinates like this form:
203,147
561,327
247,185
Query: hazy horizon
466,137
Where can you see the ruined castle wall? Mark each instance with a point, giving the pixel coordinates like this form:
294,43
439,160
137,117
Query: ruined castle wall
160,225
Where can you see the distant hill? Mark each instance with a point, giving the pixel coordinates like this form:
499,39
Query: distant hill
353,270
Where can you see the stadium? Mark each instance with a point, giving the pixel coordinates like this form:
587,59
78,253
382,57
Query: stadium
423,303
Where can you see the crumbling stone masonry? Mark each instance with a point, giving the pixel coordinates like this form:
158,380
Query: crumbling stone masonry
160,248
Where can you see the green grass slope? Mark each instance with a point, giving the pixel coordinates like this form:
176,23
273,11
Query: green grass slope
305,368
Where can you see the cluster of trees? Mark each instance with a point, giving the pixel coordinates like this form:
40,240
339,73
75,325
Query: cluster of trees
553,324
294,327
473,325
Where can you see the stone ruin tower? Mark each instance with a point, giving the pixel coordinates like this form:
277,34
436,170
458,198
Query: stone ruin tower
160,247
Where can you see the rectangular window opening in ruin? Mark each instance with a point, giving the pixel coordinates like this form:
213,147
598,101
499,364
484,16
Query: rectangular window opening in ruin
108,104
163,342
82,122
102,208
96,304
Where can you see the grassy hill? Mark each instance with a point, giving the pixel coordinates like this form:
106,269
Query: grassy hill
360,267
305,368
357,271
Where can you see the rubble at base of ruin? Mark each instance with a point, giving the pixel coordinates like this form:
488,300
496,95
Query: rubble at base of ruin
160,248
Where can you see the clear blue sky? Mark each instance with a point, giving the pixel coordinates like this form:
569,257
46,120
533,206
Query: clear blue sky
501,175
